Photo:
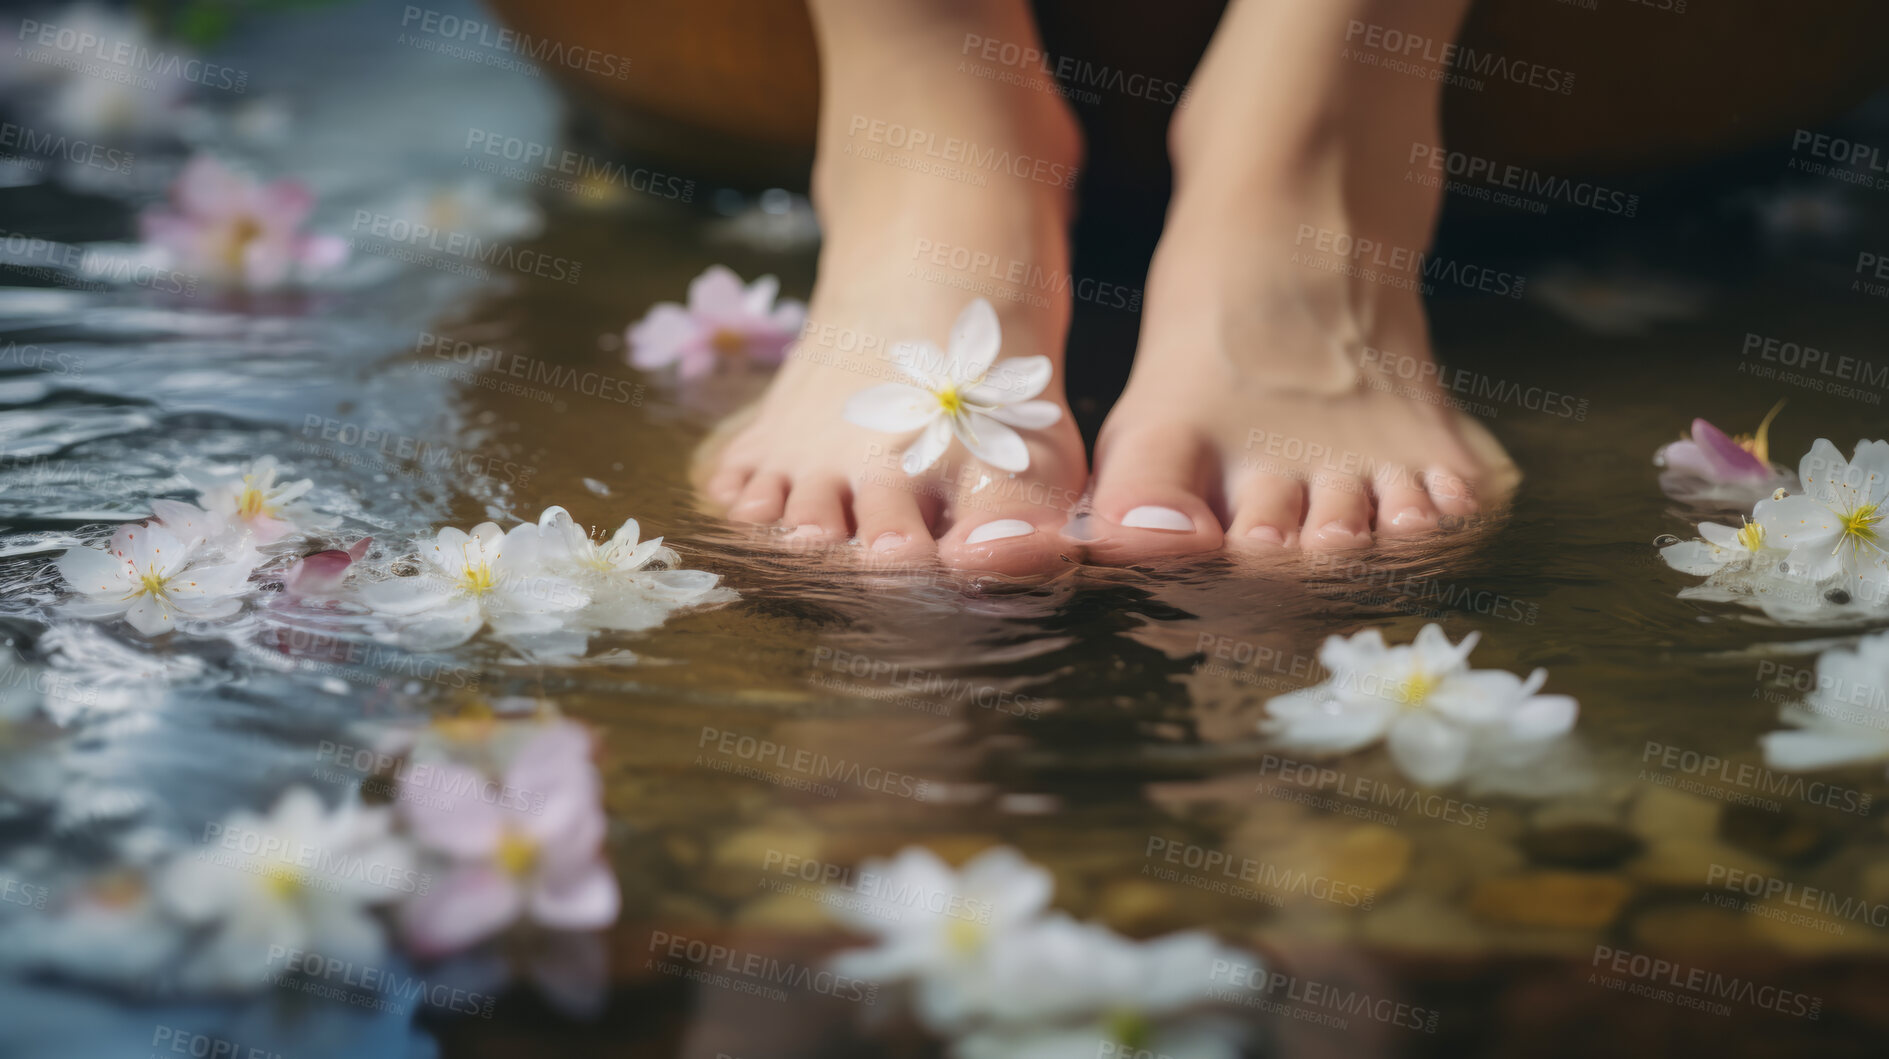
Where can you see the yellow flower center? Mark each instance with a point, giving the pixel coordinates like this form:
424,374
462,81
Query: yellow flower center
1416,688
283,882
250,502
516,853
1752,536
236,244
478,578
951,401
728,342
151,583
1759,444
1130,1029
964,937
1860,525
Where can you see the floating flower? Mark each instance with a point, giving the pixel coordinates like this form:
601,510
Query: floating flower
1063,988
471,580
722,320
960,394
1710,466
474,208
230,229
1717,548
301,877
536,853
1845,720
1422,699
627,579
151,577
253,500
1836,527
936,926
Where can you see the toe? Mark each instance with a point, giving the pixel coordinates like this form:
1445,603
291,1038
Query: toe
1337,515
1149,498
1266,512
817,507
726,485
761,500
1404,508
1012,543
891,523
1451,492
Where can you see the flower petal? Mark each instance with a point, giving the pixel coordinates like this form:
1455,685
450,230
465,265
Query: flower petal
1728,459
928,448
993,442
1017,379
471,904
1030,415
975,340
893,408
1428,749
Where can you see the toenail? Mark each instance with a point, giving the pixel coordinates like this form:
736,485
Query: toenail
885,542
1337,528
1413,516
1158,518
809,530
999,530
1266,535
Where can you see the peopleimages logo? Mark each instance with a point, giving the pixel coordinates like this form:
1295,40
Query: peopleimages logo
499,38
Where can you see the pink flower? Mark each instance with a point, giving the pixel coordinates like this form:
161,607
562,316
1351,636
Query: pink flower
321,573
532,851
722,319
228,228
1713,466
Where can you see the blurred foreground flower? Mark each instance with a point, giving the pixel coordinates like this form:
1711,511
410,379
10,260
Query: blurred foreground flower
992,968
534,853
1845,719
300,878
230,229
1422,698
723,320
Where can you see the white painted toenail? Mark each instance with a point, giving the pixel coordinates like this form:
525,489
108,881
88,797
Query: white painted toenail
1340,528
885,542
809,530
1266,535
999,530
1157,518
1412,516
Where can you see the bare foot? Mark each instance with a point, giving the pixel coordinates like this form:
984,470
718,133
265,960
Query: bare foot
1272,403
934,188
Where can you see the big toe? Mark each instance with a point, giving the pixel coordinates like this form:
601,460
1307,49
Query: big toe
1150,497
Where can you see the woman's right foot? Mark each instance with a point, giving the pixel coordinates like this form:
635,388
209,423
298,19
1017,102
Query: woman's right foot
918,221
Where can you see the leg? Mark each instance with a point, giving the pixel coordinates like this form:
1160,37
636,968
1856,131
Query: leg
919,217
1259,412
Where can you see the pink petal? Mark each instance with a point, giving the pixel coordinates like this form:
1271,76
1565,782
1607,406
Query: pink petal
717,294
319,574
659,339
320,253
469,905
1727,456
586,899
206,188
285,204
451,816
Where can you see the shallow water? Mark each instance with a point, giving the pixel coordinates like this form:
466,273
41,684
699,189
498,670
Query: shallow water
1102,722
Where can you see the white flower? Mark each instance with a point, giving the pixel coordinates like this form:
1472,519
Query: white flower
960,394
471,580
473,208
1845,720
1614,305
1718,547
935,926
1423,699
151,577
1837,525
252,499
629,588
300,878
